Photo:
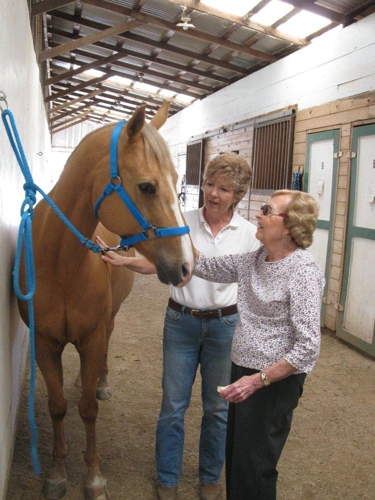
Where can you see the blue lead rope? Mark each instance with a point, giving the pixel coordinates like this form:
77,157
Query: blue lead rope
25,235
25,240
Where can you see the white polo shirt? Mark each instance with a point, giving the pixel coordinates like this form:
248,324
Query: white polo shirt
235,238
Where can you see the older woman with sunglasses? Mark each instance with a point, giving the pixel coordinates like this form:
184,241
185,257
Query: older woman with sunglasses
276,341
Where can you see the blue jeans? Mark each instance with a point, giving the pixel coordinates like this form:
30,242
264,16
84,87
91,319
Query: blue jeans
188,342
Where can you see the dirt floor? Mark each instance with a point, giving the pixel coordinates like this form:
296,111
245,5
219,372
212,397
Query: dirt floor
330,454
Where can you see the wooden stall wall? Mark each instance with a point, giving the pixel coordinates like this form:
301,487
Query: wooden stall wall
343,116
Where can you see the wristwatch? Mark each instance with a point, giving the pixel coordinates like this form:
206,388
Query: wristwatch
265,379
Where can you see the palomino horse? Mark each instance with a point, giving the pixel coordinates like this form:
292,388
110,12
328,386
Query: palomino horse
77,294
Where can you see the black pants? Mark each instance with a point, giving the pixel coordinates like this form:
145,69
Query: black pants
256,435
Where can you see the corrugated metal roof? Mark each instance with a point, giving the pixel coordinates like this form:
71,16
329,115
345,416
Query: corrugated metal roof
74,38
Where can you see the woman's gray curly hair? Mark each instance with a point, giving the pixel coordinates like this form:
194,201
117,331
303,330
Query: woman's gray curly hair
234,169
302,213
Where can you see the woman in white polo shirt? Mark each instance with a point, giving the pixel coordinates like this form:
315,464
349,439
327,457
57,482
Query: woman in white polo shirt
198,330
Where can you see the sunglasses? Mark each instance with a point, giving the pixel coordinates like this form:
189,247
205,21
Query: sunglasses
268,210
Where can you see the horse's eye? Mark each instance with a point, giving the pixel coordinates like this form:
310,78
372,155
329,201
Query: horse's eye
147,188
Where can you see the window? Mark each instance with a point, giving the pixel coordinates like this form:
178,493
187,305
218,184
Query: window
195,167
273,154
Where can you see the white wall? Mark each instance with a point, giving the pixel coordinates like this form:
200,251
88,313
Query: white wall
20,82
324,71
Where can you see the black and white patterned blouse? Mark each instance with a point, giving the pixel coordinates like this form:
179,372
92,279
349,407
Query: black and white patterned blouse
279,306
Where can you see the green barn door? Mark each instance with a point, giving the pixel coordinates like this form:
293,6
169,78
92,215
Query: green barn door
356,320
320,182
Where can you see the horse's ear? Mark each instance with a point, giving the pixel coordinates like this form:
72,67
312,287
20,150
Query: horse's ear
161,116
136,122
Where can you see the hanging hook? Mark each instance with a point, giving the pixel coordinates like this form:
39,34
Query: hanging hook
3,97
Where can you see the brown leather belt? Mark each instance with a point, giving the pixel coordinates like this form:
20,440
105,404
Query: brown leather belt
202,313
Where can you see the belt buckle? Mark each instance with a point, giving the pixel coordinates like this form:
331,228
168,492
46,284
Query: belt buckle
193,311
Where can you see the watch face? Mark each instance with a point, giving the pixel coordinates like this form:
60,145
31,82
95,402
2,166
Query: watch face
265,379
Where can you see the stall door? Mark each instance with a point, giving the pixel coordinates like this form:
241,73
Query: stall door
356,320
320,182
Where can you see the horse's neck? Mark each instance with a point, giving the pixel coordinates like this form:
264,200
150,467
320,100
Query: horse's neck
73,198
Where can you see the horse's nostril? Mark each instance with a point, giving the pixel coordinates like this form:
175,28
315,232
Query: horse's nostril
185,270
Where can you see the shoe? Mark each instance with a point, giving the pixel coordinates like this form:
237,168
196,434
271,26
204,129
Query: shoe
210,492
166,493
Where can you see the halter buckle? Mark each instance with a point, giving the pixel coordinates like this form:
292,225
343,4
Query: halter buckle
153,235
125,248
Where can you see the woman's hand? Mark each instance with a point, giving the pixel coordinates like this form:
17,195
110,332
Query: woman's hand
138,264
247,385
242,388
111,257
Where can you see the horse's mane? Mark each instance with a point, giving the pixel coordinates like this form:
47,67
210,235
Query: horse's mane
154,142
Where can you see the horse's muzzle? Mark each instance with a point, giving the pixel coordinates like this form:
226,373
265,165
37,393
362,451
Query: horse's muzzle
170,275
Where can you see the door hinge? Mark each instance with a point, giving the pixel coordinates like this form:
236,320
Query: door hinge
338,307
338,154
351,154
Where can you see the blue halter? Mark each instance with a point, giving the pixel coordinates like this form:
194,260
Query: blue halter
115,185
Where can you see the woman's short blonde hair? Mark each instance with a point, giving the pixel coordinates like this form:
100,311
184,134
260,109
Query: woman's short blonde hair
234,169
302,213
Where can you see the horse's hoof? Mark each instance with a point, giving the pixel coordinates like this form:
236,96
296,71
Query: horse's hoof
54,489
103,393
97,492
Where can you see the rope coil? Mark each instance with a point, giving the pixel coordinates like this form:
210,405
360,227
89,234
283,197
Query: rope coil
25,237
25,240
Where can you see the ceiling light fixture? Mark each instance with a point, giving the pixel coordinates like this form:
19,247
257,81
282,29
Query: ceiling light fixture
185,21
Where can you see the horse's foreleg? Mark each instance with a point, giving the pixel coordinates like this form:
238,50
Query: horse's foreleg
92,358
103,390
49,361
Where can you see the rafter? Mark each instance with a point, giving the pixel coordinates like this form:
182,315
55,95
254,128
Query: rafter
86,40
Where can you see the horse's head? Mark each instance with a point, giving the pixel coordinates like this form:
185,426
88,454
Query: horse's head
146,173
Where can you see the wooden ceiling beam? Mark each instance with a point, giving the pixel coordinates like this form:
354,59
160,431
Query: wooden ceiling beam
321,11
121,95
322,30
46,5
69,112
72,102
80,86
86,40
69,123
153,97
82,68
